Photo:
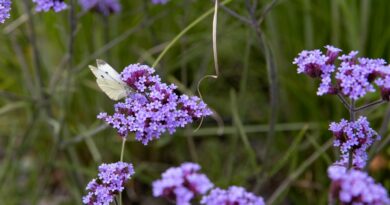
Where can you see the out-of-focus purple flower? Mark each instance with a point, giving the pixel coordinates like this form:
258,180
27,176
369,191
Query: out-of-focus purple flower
105,7
5,8
382,80
46,5
355,187
353,137
153,108
234,195
110,182
182,184
159,1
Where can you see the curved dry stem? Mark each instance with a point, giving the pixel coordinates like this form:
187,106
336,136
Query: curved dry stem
215,54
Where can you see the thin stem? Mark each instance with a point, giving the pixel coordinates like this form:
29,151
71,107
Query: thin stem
121,159
352,111
123,148
38,74
271,71
350,159
267,9
378,102
352,118
236,15
342,99
106,32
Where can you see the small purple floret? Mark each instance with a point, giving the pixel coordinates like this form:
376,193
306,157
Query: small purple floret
234,195
110,182
182,184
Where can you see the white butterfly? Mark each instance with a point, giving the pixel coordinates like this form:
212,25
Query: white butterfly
110,81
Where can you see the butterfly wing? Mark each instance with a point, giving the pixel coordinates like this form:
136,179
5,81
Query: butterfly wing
109,81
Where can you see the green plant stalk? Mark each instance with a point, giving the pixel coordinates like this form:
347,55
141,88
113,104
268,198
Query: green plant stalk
185,30
121,159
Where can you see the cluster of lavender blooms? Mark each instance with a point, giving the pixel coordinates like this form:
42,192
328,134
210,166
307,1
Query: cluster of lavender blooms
350,76
105,7
356,187
234,195
353,137
5,8
110,182
46,5
182,184
159,1
153,107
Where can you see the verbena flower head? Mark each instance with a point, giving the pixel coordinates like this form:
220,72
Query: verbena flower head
110,182
5,8
353,77
182,184
234,195
355,187
354,136
159,1
46,5
105,7
153,108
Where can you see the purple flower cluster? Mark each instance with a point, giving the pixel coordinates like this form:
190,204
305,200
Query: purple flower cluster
159,1
105,7
46,5
153,108
353,77
355,187
111,180
182,184
355,137
5,8
234,195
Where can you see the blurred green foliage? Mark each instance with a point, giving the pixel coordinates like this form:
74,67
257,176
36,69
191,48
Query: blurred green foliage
51,142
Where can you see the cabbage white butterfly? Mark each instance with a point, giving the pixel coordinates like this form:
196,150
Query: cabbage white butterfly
109,81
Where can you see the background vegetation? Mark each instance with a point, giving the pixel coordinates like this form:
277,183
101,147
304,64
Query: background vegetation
274,139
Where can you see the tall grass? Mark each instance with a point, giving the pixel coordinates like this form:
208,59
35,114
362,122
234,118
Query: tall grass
275,140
